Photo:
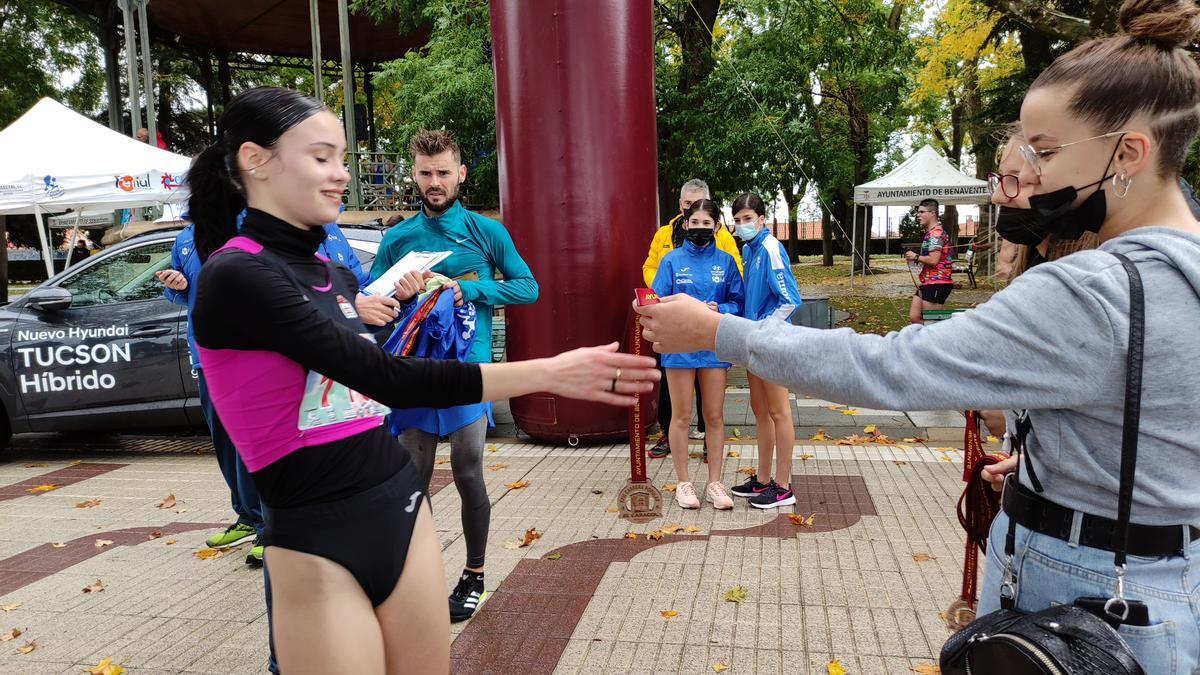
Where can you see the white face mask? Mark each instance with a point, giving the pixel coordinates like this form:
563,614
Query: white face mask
746,232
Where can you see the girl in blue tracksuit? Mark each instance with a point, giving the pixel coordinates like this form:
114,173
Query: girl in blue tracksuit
702,271
770,286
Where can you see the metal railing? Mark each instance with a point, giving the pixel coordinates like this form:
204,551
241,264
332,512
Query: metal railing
384,183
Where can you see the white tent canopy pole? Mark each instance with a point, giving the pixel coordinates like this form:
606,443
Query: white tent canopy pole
41,228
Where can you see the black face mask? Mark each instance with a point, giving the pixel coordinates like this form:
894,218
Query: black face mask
1057,214
1020,226
699,236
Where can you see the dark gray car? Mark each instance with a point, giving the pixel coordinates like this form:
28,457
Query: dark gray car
98,347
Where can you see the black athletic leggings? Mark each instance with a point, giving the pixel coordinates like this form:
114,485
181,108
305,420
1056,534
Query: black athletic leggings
466,460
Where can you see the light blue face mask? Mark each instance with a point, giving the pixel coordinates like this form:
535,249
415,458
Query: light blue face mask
746,232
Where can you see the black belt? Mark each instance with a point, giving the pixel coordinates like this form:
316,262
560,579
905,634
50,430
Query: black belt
1041,515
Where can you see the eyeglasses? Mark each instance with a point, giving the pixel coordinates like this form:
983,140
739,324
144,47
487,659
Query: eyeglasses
1008,184
1034,157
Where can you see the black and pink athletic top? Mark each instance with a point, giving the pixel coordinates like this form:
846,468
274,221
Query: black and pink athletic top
268,311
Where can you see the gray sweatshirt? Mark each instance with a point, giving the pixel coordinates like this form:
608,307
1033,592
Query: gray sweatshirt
1054,342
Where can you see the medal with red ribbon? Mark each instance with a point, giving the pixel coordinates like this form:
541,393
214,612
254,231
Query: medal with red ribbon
639,501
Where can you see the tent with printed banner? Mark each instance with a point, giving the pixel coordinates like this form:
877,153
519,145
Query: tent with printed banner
924,175
53,159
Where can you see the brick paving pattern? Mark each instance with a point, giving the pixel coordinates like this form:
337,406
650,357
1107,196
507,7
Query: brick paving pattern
865,584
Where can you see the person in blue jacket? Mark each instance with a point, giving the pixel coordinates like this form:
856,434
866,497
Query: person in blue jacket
770,288
701,270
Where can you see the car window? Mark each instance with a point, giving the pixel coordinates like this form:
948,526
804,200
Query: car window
125,276
365,252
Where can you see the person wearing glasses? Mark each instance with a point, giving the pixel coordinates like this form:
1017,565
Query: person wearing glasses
936,260
1106,132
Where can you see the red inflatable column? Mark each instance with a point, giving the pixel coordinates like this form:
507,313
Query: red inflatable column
575,127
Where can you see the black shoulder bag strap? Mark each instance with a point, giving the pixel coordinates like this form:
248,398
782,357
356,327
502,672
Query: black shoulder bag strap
1117,607
1129,432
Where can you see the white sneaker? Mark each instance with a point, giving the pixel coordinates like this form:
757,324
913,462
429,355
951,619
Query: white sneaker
716,494
696,435
685,496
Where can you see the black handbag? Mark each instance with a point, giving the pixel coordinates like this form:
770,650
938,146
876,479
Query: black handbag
1078,639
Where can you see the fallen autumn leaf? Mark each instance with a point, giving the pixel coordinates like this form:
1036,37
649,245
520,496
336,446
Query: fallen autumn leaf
497,467
632,535
670,487
519,485
91,503
800,521
36,466
805,457
553,556
10,635
747,471
168,503
105,667
655,535
733,453
923,557
612,509
10,608
155,535
29,646
94,587
926,669
101,543
37,490
870,429
720,667
59,545
820,436
835,667
207,553
736,594
170,542
849,411
669,614
691,529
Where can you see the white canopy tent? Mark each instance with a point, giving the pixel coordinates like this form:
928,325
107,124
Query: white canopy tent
924,175
53,159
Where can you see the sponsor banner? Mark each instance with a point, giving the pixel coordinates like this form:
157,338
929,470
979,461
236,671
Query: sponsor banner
44,364
912,195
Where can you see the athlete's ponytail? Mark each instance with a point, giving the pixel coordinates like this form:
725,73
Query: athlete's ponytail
259,115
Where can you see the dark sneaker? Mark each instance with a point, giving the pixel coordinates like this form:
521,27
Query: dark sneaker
660,449
773,497
255,557
751,488
467,596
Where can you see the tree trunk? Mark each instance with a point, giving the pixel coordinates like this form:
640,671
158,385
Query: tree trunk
695,44
985,147
1048,22
826,238
864,162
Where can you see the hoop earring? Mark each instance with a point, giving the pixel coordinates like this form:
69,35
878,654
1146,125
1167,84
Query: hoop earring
1126,182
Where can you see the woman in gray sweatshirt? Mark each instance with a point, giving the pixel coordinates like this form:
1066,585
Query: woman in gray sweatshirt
1107,127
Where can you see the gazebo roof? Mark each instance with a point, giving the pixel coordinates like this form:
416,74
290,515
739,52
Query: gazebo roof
273,27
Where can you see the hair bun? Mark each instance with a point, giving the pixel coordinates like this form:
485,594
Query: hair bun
1167,23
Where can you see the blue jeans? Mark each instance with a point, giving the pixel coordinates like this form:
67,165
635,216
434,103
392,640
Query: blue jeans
1051,571
242,493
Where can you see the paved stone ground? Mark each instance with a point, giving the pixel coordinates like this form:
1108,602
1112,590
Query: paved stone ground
849,587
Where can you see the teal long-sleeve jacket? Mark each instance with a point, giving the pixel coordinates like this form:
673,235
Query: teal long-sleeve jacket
477,244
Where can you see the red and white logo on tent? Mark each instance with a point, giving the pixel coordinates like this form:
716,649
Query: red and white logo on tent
133,183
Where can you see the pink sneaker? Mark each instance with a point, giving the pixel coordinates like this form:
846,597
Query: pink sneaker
685,496
715,493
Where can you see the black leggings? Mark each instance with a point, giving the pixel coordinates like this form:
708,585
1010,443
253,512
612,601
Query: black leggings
466,460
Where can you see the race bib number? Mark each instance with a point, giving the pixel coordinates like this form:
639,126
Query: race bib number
326,402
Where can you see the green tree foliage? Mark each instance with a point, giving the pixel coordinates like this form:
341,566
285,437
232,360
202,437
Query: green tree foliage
46,50
449,84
